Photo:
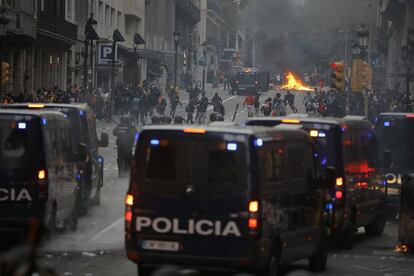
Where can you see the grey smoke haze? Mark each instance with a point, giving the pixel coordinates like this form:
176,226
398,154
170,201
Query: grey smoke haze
298,34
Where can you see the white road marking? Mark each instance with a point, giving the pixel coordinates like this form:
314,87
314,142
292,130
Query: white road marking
107,228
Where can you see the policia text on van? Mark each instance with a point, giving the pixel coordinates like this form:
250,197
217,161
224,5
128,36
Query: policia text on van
227,199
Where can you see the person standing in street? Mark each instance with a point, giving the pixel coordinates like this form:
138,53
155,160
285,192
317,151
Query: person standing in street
290,100
216,101
249,102
202,110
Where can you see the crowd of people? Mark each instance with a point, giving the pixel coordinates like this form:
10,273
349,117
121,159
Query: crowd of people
320,103
146,101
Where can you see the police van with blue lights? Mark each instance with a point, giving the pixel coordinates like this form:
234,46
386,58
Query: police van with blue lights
348,146
395,132
231,199
82,124
37,172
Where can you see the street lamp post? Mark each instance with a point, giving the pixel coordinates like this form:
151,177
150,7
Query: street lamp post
138,40
363,41
90,35
176,40
204,65
3,31
409,49
116,37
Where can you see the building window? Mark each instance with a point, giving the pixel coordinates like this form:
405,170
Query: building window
107,16
113,18
101,14
119,20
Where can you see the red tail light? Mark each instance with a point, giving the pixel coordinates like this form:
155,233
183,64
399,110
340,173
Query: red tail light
339,194
128,216
129,202
253,223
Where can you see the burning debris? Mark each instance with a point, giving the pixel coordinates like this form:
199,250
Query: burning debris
293,82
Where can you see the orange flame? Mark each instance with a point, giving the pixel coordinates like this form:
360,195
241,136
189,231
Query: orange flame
294,83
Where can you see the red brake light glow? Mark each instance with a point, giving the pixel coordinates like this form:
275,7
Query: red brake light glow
411,115
253,223
128,216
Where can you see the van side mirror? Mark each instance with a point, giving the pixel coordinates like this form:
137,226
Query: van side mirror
82,153
386,159
329,178
104,141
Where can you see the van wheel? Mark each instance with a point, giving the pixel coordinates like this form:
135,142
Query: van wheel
377,227
72,222
317,261
345,240
144,271
273,267
84,201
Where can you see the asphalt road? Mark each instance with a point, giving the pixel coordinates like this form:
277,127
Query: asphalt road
96,248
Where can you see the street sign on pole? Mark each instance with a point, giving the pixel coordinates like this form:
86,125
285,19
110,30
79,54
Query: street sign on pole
105,53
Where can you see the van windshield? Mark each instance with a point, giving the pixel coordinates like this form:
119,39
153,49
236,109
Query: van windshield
73,115
20,142
212,167
328,144
394,133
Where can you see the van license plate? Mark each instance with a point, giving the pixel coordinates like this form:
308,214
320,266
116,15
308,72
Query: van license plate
160,245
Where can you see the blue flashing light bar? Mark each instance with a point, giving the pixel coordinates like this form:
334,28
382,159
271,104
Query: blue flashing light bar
44,121
387,124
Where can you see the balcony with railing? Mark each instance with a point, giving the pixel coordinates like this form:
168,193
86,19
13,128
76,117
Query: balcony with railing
187,7
54,26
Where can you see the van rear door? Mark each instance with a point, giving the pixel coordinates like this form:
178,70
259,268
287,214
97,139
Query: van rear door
193,193
21,164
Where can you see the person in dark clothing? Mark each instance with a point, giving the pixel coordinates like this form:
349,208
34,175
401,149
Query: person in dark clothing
125,134
216,101
202,110
190,111
290,100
